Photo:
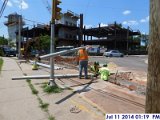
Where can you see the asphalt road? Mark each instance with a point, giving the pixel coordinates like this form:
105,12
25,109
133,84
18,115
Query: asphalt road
131,62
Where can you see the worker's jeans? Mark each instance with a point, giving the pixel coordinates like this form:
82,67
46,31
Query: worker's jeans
83,64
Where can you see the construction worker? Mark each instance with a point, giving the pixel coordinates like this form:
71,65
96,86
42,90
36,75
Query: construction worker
104,72
95,69
83,62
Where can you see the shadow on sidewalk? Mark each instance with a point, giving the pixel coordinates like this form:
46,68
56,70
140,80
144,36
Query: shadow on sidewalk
84,89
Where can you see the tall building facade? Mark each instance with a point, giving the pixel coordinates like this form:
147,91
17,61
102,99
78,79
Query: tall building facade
14,23
68,19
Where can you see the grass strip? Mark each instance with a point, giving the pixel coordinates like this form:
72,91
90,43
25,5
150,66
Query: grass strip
1,63
42,105
51,89
34,91
51,118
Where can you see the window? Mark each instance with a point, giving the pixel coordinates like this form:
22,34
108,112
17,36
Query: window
115,51
66,22
70,36
74,25
70,24
66,35
74,36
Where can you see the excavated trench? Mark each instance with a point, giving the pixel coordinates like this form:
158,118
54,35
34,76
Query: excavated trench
125,80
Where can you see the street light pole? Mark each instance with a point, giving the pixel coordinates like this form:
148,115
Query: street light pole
52,79
55,16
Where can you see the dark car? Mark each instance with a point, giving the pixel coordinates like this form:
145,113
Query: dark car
7,51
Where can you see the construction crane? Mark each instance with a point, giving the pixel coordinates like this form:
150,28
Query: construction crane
47,5
3,7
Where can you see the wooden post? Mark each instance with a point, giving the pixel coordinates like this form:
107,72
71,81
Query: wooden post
153,78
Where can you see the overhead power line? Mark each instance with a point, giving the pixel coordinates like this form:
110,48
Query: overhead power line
47,5
3,7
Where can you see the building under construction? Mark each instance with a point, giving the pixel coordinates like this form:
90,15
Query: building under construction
68,32
113,36
14,23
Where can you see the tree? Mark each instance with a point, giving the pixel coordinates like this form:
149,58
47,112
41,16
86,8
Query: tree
153,78
44,42
11,43
3,41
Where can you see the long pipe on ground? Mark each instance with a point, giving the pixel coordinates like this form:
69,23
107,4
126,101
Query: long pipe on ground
60,53
44,65
45,76
56,76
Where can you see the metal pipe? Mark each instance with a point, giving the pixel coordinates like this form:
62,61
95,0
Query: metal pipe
45,65
56,76
45,76
40,64
32,77
52,41
52,82
60,53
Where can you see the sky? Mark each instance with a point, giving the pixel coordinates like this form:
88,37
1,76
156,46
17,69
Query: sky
132,13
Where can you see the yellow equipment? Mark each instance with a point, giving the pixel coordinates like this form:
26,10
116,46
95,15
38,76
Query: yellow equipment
34,66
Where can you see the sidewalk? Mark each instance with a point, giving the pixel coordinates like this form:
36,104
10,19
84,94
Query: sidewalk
16,100
18,103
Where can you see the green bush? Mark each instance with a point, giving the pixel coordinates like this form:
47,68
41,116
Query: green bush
1,52
1,63
51,89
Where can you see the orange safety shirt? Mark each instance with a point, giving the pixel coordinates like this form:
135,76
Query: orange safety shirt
82,54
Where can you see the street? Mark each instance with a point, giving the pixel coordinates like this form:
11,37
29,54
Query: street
131,62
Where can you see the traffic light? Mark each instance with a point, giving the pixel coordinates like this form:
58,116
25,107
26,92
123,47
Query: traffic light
56,10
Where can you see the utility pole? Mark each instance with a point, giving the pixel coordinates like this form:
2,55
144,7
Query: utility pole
55,16
127,40
19,31
81,31
153,77
19,38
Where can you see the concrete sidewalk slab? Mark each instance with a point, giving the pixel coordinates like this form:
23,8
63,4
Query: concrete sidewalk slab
119,99
61,104
21,109
16,99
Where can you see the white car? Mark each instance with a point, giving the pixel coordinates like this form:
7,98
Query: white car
113,53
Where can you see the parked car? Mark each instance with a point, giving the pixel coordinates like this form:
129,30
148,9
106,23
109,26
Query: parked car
7,51
113,53
34,53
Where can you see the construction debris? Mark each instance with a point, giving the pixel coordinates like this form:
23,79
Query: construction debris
75,109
